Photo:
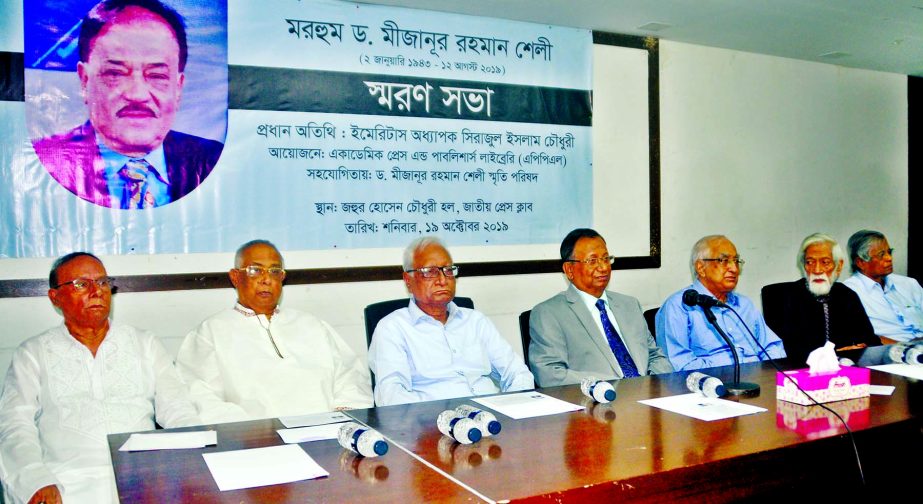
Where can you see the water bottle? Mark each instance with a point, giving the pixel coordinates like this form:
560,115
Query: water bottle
487,422
362,440
906,354
463,430
598,390
709,386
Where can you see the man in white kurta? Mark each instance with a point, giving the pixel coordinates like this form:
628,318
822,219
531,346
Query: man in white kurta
258,360
64,393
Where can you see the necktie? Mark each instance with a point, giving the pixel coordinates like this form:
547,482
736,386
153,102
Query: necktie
143,185
615,343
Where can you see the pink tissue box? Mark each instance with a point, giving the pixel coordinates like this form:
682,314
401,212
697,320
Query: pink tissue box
847,383
815,422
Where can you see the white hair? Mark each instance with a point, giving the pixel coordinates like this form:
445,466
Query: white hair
418,245
838,253
239,255
700,251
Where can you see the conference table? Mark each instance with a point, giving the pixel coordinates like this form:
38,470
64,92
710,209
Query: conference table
623,450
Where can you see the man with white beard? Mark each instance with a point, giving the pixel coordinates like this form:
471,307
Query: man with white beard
815,309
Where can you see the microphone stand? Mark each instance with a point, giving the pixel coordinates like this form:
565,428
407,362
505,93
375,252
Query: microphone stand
737,388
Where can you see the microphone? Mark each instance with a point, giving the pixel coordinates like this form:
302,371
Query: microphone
709,386
693,298
906,354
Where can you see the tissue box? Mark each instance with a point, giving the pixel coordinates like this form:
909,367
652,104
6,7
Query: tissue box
815,422
847,383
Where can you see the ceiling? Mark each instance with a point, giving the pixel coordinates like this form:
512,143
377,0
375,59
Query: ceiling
885,35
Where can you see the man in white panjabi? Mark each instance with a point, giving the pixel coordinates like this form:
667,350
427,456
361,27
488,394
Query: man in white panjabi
70,386
258,360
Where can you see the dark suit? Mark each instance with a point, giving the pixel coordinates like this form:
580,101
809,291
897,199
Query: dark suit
73,159
568,346
795,314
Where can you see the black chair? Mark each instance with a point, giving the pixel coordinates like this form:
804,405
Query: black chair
524,334
377,311
649,318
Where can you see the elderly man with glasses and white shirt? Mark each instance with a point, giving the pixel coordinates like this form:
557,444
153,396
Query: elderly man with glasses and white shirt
685,334
434,349
588,330
258,360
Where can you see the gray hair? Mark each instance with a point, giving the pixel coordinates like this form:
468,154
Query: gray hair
700,251
859,245
417,245
61,261
239,255
838,254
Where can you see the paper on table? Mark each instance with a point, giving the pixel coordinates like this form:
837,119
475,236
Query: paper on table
310,433
526,404
170,440
701,407
258,467
902,370
314,419
881,389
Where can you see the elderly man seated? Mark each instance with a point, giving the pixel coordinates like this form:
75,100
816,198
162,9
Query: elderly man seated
684,332
258,360
72,385
816,309
434,349
893,303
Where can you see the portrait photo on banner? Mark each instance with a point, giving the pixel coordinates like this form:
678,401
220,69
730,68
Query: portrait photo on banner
126,100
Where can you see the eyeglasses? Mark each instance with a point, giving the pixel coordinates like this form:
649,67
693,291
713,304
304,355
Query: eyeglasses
593,261
725,261
433,271
81,284
824,263
258,271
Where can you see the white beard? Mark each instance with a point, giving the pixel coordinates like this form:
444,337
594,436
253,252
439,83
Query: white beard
819,288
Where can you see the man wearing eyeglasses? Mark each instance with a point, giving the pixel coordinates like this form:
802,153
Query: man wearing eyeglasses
259,360
688,339
816,309
894,303
588,330
434,349
71,386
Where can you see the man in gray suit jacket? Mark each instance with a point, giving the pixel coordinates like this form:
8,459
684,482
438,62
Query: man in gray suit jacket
587,330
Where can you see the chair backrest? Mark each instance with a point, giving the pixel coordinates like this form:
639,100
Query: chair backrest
772,297
524,334
377,311
649,318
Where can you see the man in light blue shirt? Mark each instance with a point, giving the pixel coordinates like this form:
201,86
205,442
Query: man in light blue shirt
687,337
892,302
434,349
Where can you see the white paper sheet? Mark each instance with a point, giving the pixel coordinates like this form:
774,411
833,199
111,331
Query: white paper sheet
256,467
314,419
902,370
704,408
881,389
526,404
170,440
311,433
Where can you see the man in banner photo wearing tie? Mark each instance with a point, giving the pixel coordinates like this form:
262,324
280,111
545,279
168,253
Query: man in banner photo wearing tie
684,333
132,61
587,330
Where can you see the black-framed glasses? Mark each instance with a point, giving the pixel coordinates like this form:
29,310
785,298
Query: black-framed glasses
593,261
725,261
433,271
81,284
254,271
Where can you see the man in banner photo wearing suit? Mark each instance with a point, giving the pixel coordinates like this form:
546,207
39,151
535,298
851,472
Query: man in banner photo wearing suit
132,58
587,330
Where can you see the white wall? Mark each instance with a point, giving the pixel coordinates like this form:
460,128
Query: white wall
763,149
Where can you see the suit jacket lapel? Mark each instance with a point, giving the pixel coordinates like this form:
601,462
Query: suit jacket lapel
588,321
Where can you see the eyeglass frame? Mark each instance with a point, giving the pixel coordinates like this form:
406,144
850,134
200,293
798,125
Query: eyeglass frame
424,271
260,270
592,262
106,282
725,261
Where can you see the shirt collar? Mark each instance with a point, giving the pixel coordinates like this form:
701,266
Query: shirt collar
733,299
590,299
416,314
114,161
247,312
868,283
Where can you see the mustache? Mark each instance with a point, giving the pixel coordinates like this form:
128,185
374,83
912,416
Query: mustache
134,109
